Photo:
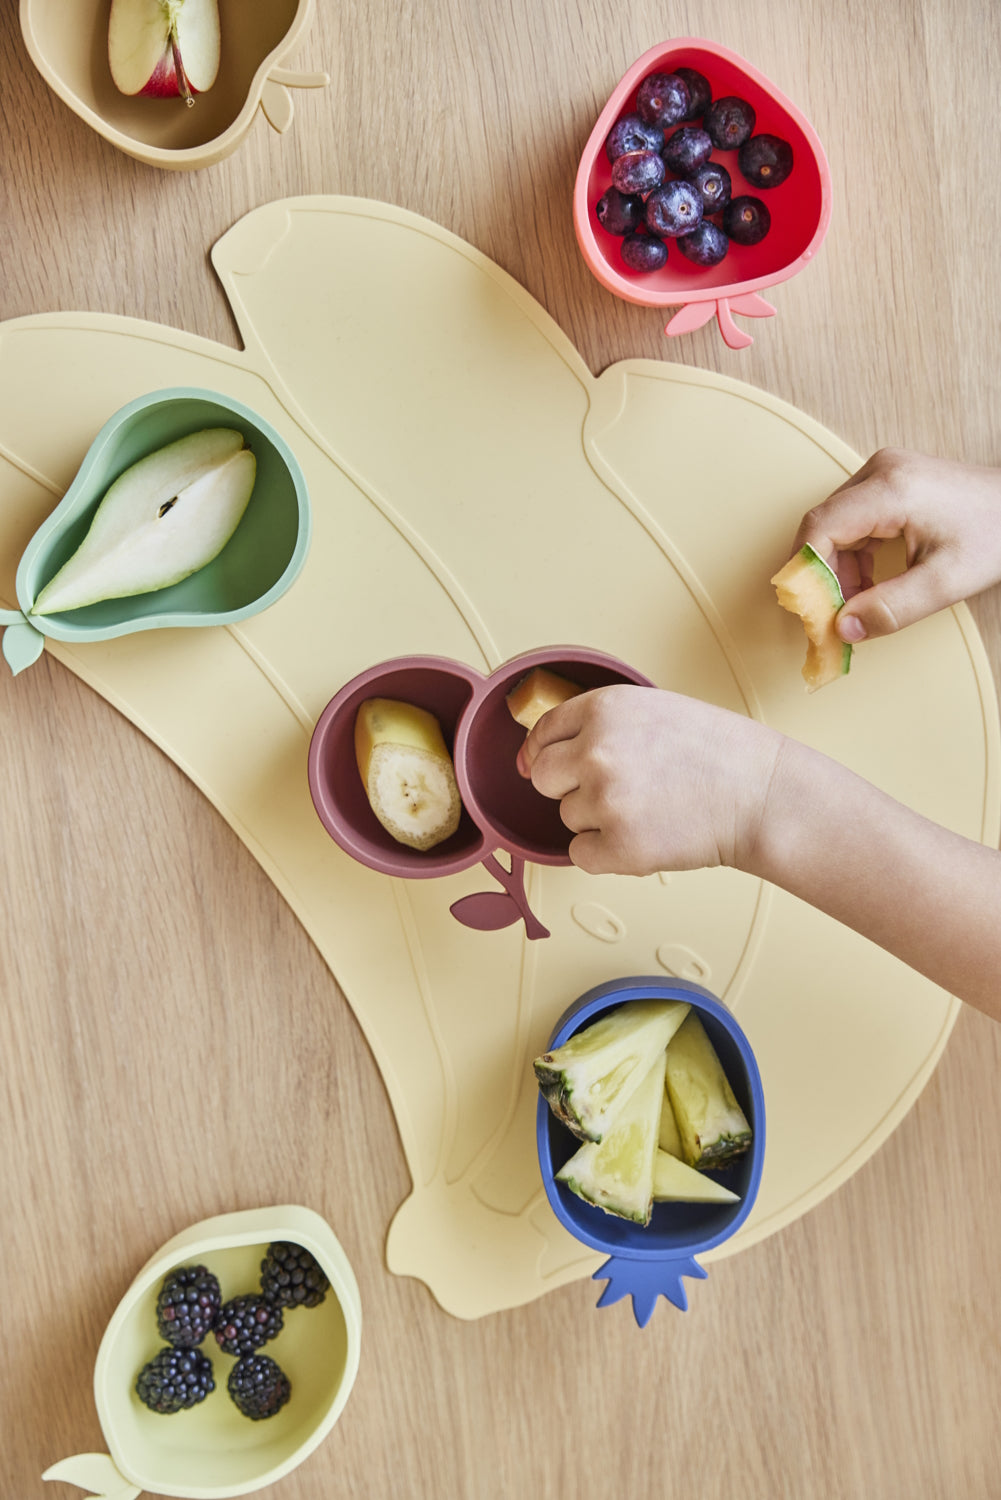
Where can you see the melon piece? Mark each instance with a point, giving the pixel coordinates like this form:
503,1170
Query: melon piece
673,1182
714,1129
537,692
808,587
617,1174
590,1078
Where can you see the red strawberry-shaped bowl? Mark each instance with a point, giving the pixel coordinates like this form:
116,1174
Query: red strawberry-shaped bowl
800,207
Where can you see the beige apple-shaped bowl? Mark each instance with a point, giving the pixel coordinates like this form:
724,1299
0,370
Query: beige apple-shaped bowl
213,1451
67,41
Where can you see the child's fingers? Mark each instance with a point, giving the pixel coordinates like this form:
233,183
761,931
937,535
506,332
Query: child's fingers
852,518
588,853
900,601
554,770
560,723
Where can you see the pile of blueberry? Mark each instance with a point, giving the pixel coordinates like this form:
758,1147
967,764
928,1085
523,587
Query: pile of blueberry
666,184
189,1307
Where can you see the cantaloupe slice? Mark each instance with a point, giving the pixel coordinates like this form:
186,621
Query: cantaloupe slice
809,588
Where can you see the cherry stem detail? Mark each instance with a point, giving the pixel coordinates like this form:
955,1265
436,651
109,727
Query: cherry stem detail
513,881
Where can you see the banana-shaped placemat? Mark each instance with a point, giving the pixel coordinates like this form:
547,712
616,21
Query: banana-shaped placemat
477,493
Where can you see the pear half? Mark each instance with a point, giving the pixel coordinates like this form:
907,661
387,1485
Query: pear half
163,519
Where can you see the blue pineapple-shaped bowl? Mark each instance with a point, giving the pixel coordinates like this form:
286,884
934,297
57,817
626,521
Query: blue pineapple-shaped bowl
648,1261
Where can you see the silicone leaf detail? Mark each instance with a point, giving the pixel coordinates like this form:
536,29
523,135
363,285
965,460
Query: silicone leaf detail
752,306
694,315
22,646
276,103
487,911
95,1472
733,336
645,1281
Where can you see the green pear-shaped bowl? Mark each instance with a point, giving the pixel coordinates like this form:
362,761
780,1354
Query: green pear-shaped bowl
213,1451
257,565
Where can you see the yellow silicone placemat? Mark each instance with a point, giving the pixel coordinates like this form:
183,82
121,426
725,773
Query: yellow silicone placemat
476,493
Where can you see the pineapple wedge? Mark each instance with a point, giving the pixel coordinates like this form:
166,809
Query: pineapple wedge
592,1076
617,1175
673,1182
670,1140
713,1127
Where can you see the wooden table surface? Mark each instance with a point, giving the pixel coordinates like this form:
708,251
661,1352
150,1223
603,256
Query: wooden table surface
172,1044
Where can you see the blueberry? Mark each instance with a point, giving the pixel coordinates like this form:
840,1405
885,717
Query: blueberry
663,99
765,160
630,133
638,171
729,122
699,92
687,150
673,209
713,182
643,252
619,213
746,220
705,246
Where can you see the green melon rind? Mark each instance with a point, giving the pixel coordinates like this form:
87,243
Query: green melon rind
828,656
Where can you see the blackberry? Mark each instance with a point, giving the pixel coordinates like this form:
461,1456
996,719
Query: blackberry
175,1380
246,1323
291,1277
187,1305
258,1386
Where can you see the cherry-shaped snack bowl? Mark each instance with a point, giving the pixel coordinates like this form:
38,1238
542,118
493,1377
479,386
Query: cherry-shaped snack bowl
258,564
799,207
213,1450
501,811
649,1261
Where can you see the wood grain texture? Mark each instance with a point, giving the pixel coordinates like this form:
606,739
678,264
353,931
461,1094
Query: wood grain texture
173,1045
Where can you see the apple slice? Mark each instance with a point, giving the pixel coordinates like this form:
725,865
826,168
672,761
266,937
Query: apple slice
164,48
163,519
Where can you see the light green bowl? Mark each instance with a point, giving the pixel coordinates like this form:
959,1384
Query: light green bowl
212,1450
257,565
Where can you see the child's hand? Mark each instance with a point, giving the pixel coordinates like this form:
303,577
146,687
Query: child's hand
649,780
949,515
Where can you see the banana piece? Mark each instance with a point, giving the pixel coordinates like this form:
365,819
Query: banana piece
407,772
537,692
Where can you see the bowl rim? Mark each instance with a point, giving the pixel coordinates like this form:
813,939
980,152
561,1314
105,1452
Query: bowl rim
401,865
231,1231
644,987
627,289
51,625
209,152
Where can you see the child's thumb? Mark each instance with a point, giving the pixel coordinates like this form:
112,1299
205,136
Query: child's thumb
894,604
